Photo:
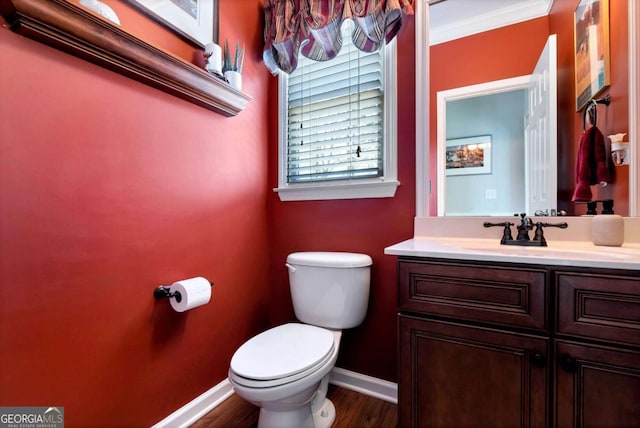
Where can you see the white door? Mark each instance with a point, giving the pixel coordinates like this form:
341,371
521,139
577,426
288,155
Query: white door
540,139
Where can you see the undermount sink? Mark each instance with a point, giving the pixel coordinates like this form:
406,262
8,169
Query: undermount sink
560,250
566,250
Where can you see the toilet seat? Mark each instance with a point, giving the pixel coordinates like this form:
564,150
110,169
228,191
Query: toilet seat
252,383
281,355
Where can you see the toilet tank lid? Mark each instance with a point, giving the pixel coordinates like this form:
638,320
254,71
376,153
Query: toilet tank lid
329,259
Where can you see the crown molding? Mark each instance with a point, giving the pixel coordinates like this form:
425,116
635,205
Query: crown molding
491,20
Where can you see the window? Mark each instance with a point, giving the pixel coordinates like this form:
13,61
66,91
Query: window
337,129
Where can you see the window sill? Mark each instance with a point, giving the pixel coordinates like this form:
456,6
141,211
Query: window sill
338,190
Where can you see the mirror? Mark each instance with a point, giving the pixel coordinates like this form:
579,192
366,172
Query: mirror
480,151
425,202
515,169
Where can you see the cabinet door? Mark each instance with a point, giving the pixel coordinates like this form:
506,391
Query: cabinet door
596,386
453,375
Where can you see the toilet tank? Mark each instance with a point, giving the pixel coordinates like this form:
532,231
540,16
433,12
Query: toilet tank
330,289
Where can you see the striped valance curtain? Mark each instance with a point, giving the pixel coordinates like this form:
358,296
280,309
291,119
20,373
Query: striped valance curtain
312,28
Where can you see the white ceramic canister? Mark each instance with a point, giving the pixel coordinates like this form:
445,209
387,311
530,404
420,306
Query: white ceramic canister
213,55
234,78
607,230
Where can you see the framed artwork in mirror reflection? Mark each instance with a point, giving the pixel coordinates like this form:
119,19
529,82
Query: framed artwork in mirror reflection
591,44
194,20
470,155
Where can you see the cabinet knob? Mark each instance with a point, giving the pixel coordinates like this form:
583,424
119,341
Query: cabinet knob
538,360
568,364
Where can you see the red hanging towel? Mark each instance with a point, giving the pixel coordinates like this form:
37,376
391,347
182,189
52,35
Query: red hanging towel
592,166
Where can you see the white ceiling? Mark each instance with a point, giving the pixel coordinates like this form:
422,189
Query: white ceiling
452,19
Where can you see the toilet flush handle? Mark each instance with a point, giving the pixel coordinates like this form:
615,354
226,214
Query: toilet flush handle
291,268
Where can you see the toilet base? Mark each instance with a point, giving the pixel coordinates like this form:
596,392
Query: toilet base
299,418
324,416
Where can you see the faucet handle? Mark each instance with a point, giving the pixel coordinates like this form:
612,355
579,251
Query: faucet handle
506,233
539,233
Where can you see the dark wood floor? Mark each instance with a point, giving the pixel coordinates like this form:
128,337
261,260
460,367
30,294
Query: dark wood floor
353,410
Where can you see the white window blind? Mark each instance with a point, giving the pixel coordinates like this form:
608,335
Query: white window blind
335,124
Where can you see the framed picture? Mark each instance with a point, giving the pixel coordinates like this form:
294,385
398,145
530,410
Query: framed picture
591,36
472,155
194,20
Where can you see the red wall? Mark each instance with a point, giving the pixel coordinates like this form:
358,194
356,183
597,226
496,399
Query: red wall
109,188
513,51
360,225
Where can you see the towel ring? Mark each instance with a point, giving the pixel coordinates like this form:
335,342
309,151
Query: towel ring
592,105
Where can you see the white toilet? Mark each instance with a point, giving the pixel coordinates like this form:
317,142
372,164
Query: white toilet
285,370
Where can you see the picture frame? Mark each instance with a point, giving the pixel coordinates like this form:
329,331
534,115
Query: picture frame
194,20
467,156
591,49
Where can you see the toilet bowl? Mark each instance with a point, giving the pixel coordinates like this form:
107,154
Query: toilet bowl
285,370
285,400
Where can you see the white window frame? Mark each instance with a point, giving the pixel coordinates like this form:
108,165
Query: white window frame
378,187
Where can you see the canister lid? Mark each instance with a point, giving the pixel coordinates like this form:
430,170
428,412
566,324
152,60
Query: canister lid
330,259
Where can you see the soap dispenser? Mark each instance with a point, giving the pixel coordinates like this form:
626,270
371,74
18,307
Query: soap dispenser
607,229
619,149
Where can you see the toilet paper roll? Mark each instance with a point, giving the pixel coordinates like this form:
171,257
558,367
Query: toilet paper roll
194,292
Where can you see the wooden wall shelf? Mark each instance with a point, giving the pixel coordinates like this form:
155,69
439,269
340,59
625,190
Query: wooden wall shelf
71,29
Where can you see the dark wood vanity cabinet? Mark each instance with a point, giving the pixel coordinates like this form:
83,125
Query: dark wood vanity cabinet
597,349
502,345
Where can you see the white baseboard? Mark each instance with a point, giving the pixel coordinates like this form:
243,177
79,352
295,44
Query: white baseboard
372,386
197,408
200,406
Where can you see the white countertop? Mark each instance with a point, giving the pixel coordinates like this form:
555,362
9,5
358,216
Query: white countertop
451,239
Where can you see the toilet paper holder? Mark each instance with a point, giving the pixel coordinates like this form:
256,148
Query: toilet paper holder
164,291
